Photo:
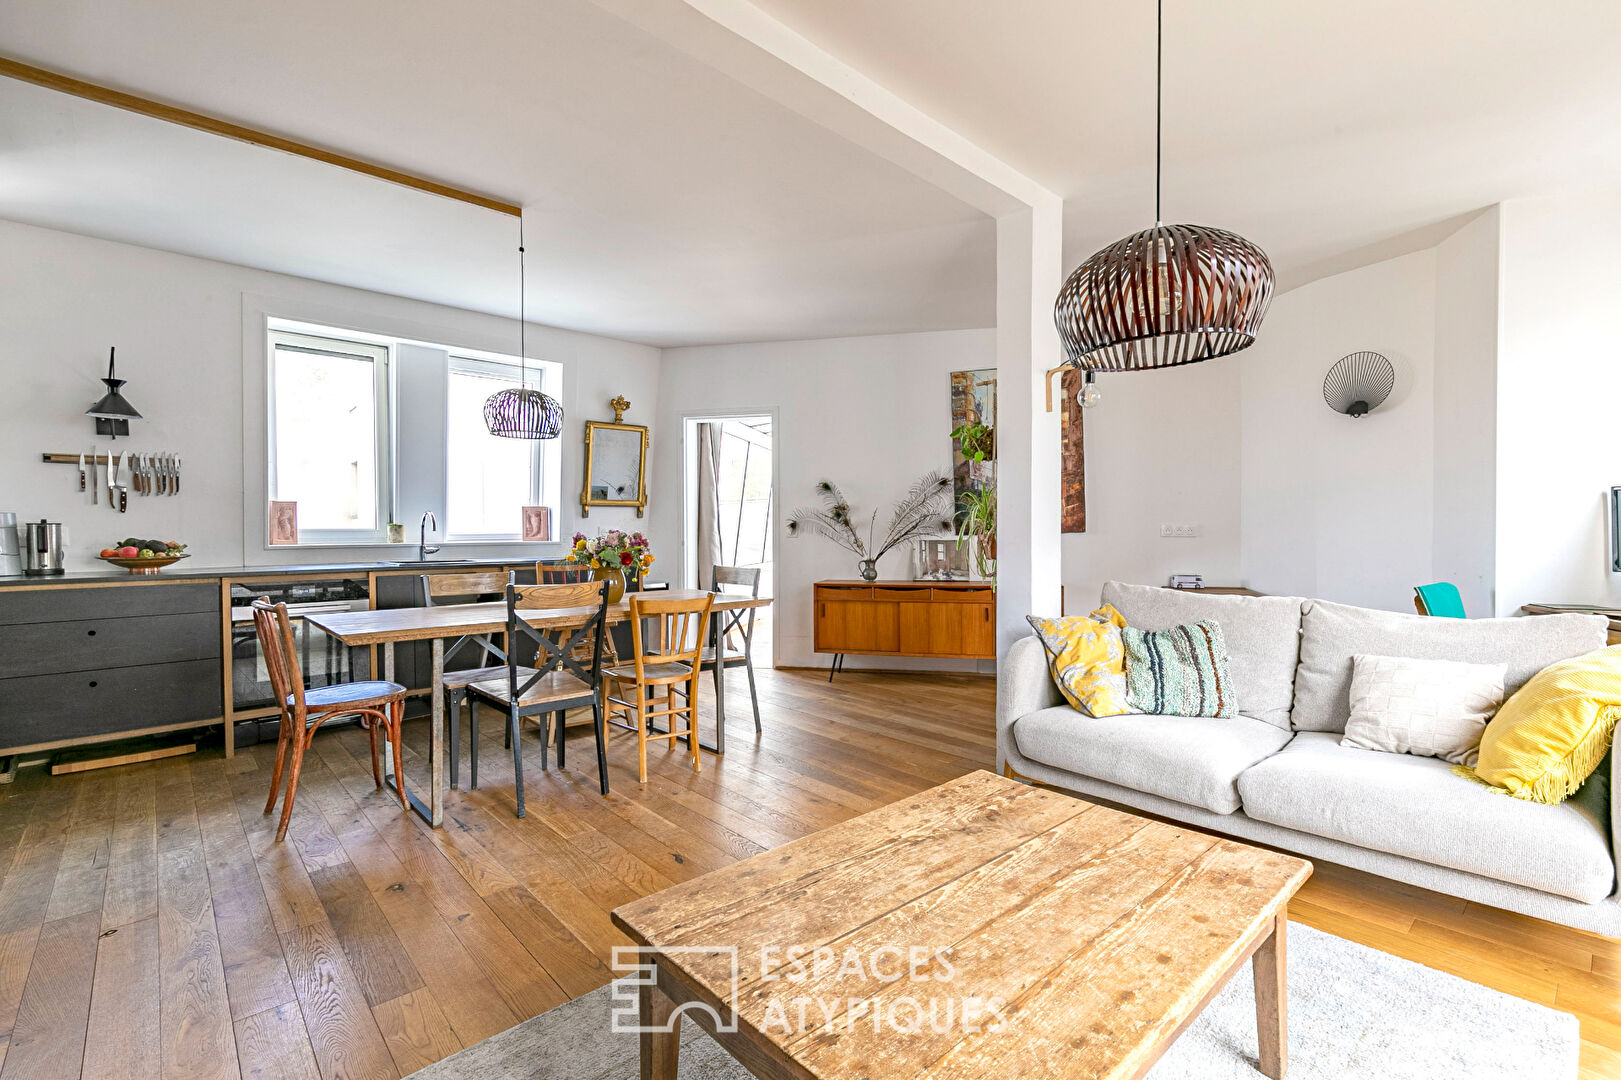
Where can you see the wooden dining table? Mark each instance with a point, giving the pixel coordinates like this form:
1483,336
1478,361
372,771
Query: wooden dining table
389,626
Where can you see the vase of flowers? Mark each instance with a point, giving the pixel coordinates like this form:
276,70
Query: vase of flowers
612,556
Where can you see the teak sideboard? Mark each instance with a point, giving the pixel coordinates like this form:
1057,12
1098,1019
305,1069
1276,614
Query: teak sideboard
952,619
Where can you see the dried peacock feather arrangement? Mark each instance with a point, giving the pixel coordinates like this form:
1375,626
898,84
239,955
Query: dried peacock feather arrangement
920,512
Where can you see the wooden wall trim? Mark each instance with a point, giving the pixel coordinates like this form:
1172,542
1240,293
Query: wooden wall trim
174,114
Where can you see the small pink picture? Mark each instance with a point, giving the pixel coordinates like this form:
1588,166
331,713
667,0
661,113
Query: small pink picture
537,523
283,522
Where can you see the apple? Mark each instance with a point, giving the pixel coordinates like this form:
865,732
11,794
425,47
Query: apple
108,553
127,552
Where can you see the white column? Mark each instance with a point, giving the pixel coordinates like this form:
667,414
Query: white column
1029,272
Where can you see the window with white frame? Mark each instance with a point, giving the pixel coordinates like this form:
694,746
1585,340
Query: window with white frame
329,445
489,479
355,439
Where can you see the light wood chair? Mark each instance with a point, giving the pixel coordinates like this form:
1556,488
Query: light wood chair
559,681
683,626
739,621
377,704
467,588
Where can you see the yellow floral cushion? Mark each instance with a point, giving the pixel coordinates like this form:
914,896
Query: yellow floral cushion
1087,659
1548,738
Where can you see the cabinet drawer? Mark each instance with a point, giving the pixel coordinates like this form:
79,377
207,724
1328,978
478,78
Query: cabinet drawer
843,592
963,596
99,644
901,595
47,708
62,604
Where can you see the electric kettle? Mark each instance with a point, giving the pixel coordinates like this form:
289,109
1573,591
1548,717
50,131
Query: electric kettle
44,548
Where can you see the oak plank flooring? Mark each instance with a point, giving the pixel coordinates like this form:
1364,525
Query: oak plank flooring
501,918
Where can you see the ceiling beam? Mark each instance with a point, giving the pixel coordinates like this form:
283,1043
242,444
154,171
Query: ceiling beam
173,114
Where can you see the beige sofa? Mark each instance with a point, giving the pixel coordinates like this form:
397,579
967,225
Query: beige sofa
1277,774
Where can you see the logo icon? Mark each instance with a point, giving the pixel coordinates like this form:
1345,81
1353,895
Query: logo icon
642,971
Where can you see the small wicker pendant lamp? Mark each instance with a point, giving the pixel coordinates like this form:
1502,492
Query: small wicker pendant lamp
1173,294
520,412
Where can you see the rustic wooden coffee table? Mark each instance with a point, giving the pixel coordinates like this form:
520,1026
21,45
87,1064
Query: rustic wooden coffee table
982,928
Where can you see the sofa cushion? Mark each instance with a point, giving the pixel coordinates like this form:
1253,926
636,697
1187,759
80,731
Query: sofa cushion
1262,635
1333,633
1192,759
1417,807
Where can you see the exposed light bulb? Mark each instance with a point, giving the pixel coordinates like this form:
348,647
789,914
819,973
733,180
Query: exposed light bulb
1090,395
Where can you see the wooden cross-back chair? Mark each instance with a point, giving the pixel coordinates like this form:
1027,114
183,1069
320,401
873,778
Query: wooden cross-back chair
467,588
377,704
560,679
683,626
739,621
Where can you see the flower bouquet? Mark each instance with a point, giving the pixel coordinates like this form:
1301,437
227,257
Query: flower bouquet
613,557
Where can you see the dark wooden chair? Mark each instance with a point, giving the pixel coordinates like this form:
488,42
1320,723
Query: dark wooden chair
683,626
740,622
377,704
560,680
467,588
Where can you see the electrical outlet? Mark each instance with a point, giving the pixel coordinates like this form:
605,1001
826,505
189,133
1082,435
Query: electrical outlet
1181,532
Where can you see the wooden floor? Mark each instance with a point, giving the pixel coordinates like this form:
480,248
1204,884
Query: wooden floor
149,926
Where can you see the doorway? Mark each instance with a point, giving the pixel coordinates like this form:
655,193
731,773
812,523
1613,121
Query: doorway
730,506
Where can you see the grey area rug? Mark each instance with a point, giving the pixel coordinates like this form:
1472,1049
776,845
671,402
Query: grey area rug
1353,1012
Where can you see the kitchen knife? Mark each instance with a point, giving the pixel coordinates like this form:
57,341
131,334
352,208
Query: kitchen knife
81,472
112,478
123,484
176,490
95,496
139,478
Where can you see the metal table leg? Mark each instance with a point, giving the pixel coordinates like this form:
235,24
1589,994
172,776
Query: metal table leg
436,744
720,689
388,750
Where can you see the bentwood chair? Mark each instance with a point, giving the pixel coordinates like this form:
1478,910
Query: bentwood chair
683,626
377,704
440,589
559,681
739,621
1441,599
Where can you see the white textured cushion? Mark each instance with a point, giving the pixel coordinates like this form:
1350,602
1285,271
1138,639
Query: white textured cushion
1262,635
1333,633
1431,708
1415,806
1192,759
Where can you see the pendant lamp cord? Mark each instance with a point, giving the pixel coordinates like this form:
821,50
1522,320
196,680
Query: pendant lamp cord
1159,92
523,320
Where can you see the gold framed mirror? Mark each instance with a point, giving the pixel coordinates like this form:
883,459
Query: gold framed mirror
615,462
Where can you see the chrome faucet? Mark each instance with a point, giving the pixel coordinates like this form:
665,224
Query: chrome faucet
423,550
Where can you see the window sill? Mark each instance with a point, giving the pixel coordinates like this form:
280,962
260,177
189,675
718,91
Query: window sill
382,545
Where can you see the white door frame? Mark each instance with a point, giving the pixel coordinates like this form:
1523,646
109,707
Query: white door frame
689,491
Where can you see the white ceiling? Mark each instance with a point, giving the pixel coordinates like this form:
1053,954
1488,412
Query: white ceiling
1315,129
665,203
670,204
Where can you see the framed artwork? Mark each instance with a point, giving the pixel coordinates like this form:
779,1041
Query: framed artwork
537,524
283,522
1072,469
973,401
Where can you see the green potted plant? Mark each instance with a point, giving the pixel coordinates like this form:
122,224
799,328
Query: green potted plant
976,524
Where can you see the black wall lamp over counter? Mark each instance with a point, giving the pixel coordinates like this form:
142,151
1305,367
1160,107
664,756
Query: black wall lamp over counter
112,412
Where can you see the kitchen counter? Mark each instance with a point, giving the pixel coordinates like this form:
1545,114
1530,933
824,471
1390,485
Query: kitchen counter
186,571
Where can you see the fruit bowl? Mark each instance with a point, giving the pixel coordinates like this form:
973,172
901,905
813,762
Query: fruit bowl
149,564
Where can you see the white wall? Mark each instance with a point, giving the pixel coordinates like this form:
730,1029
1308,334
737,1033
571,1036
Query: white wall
1336,507
1559,379
1162,448
1464,550
870,413
178,323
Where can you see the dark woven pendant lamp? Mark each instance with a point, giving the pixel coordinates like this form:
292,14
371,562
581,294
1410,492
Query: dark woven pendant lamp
1173,294
519,412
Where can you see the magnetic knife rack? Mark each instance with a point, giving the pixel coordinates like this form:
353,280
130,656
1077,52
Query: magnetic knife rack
73,459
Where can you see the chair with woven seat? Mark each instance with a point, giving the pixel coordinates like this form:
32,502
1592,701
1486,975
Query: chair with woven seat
739,621
560,679
683,626
440,589
377,704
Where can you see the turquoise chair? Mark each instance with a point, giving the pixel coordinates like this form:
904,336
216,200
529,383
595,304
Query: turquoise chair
1440,599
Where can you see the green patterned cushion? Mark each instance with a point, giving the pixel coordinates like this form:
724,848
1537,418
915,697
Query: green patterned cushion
1182,671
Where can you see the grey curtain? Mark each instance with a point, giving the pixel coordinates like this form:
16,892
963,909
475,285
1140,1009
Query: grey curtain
709,545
